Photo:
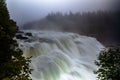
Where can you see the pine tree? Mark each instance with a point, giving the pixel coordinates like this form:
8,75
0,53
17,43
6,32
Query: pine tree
109,64
13,66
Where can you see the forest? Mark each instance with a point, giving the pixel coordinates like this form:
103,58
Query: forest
103,25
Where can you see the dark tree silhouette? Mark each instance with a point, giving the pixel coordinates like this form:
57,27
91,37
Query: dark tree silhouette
109,64
13,66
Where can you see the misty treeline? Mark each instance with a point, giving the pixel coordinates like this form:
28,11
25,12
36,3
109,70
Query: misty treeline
103,25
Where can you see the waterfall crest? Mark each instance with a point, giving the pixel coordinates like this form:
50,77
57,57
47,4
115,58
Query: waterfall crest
61,56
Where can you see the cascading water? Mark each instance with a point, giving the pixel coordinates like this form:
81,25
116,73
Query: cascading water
61,56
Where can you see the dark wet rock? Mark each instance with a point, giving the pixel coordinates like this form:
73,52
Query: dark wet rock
28,34
19,36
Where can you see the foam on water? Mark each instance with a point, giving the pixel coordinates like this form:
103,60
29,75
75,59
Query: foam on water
61,56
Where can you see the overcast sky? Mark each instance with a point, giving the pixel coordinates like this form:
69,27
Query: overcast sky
24,11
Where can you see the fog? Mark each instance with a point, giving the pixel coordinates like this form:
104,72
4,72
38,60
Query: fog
23,11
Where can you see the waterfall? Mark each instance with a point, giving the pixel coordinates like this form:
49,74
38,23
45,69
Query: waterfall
61,55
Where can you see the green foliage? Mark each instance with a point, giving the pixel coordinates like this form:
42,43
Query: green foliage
13,66
109,64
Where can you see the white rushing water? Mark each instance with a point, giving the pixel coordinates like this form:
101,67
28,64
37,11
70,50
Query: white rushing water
61,56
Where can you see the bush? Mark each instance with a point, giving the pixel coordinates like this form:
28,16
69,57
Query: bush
109,64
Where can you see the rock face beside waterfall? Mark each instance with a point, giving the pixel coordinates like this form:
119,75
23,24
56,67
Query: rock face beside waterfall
60,56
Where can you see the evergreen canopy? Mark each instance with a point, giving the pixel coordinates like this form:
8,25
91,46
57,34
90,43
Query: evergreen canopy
13,66
109,64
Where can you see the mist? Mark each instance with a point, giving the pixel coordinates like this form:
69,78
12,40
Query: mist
23,11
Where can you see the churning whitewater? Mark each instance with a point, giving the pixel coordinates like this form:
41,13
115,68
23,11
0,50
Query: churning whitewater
60,55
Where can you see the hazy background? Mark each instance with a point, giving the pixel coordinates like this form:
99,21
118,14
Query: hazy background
24,11
96,18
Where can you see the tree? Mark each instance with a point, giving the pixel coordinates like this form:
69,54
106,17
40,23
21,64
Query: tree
109,64
13,66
